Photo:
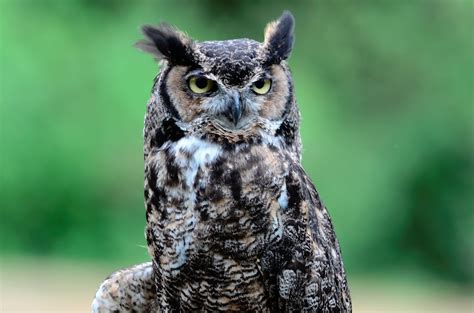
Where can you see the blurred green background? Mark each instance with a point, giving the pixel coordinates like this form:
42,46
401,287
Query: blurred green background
386,94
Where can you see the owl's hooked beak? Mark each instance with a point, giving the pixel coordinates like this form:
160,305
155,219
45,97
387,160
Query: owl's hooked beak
234,110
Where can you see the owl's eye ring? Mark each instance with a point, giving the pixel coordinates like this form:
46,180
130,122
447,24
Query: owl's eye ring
200,84
262,86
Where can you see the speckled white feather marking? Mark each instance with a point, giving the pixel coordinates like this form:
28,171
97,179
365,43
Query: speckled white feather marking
202,152
283,198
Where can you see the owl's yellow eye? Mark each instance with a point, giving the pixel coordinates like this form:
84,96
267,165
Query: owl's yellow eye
200,84
261,86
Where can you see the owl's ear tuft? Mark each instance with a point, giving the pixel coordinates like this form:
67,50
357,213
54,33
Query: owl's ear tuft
279,38
168,43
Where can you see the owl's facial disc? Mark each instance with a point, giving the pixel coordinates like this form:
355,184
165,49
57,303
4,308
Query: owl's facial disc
204,97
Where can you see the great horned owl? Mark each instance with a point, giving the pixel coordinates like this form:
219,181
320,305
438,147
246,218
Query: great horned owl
233,221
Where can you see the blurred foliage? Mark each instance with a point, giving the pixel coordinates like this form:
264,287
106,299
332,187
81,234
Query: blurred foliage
385,89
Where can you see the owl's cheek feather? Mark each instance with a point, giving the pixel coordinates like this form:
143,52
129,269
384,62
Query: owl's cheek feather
274,104
188,108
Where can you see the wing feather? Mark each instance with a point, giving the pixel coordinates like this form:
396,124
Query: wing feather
128,290
316,272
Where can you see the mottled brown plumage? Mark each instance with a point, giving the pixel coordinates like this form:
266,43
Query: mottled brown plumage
233,221
128,290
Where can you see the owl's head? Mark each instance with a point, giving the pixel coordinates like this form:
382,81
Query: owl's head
230,89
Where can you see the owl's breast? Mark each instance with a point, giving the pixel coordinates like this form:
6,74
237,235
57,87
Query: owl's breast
214,208
227,194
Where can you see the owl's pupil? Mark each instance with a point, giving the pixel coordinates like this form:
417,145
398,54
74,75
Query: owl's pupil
201,82
259,84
